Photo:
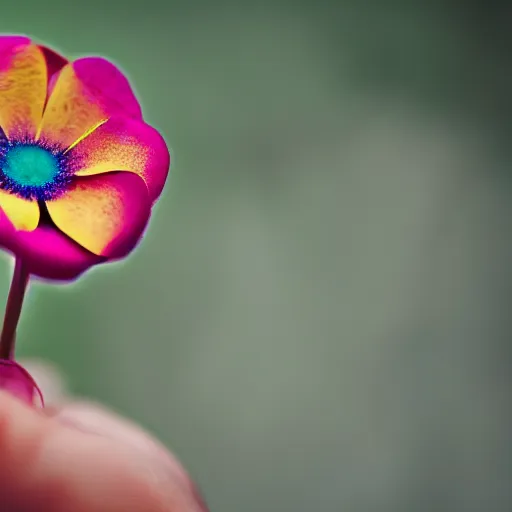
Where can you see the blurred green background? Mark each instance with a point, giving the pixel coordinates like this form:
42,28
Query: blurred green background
319,315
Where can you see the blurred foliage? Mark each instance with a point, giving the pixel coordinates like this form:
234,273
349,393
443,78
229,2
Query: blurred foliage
318,317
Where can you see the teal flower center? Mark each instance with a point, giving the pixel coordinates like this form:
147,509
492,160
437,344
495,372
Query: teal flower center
34,170
30,166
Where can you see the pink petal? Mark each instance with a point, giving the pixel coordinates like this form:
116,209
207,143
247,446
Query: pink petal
124,144
54,61
106,214
47,252
85,94
109,85
7,43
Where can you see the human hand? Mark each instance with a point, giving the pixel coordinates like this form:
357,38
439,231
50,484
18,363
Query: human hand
82,458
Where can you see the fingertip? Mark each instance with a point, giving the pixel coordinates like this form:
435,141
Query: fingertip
19,422
97,419
165,468
67,462
22,430
45,465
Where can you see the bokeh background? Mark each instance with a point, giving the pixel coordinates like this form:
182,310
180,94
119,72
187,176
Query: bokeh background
319,315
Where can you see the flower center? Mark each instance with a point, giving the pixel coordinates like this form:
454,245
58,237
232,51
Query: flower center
34,170
30,166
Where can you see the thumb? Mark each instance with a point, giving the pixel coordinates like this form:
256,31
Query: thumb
96,419
46,465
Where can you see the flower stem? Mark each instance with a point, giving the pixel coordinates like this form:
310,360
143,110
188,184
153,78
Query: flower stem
13,309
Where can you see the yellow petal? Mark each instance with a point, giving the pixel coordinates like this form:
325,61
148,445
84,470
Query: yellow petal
23,83
105,213
23,214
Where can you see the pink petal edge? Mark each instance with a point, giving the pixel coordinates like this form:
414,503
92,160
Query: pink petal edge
106,213
48,253
125,144
7,44
54,61
109,85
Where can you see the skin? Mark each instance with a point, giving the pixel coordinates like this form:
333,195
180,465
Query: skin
83,458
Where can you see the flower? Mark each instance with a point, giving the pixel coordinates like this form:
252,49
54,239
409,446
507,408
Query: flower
79,168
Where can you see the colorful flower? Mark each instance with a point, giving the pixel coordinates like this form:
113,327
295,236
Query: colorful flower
79,168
